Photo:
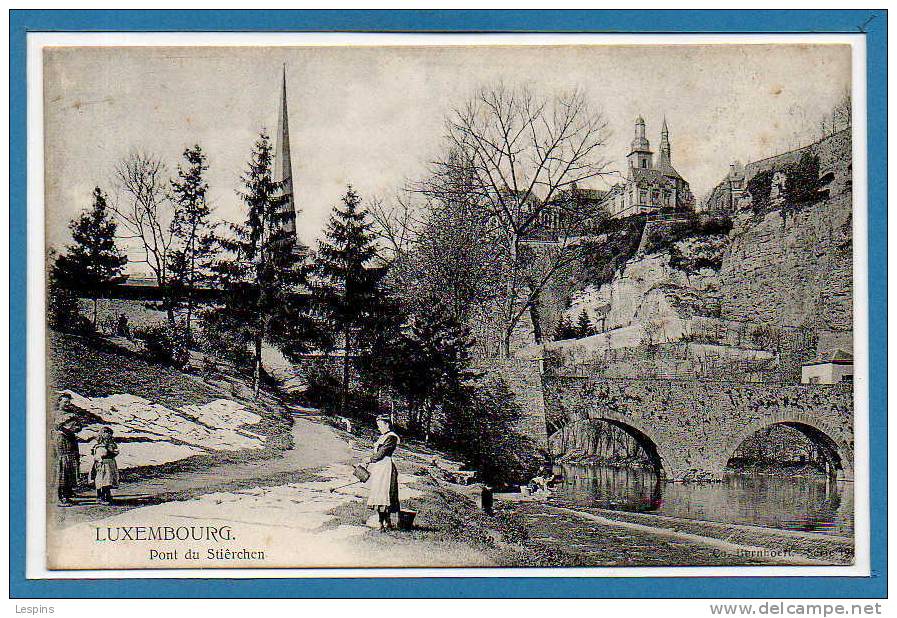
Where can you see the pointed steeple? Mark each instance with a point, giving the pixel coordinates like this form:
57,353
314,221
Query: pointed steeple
283,167
665,144
665,162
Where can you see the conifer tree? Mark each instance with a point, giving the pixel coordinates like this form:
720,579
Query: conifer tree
428,364
584,325
346,289
445,345
565,329
93,263
261,278
191,227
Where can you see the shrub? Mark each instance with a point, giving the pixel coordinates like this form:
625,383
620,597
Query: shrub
482,429
564,329
661,237
705,252
64,312
802,183
616,241
324,380
765,337
220,339
163,344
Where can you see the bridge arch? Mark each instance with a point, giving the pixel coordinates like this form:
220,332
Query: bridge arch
655,449
837,451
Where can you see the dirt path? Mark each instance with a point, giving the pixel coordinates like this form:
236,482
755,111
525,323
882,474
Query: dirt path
279,513
284,508
315,445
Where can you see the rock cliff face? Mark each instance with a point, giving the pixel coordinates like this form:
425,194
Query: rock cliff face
792,267
795,268
792,270
641,289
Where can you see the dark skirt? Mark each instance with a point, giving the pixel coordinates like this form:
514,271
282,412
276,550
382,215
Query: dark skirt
67,471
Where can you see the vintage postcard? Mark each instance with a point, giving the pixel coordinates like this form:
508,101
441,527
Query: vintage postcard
444,304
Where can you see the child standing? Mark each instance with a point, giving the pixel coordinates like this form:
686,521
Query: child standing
105,470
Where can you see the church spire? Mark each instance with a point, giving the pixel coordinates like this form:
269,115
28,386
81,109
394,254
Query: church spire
665,144
283,167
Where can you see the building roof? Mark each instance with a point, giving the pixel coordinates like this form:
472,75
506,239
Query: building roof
649,175
833,357
590,194
667,169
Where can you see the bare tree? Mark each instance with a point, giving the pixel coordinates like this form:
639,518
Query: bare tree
521,156
145,211
395,225
842,115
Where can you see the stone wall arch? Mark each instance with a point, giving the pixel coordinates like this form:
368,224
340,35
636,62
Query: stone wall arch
659,453
838,450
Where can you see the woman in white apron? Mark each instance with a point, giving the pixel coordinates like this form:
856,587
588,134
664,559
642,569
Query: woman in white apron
384,482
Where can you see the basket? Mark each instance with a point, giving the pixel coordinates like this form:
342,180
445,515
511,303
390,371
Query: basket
361,473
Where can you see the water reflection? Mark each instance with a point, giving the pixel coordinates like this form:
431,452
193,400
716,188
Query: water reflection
808,504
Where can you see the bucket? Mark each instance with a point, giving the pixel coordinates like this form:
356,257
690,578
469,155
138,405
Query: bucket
406,520
361,473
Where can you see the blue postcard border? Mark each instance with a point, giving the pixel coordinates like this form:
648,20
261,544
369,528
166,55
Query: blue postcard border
871,23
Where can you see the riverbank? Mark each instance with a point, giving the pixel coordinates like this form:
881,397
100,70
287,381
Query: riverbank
281,499
777,468
285,508
285,505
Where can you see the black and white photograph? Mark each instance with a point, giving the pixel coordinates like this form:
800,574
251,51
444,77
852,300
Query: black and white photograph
445,306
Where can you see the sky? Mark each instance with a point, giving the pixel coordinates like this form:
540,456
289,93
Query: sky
374,116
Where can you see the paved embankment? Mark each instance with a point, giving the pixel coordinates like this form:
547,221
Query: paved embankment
615,537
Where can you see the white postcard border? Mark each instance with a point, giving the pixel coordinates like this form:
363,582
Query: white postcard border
36,301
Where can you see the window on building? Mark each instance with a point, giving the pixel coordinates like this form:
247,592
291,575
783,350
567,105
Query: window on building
643,196
644,162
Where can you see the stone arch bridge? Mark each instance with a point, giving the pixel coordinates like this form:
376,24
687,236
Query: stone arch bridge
690,429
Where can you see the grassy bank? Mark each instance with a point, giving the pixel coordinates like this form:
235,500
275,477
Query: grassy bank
97,367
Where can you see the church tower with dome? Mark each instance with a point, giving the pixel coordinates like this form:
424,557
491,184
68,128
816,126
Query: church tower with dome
649,187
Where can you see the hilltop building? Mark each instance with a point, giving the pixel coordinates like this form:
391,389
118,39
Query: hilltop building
649,187
574,211
833,153
724,198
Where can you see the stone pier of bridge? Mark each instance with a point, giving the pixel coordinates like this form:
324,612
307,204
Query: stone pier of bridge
690,429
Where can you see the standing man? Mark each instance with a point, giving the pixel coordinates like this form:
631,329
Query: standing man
66,448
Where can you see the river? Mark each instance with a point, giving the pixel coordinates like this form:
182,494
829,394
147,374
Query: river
790,503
